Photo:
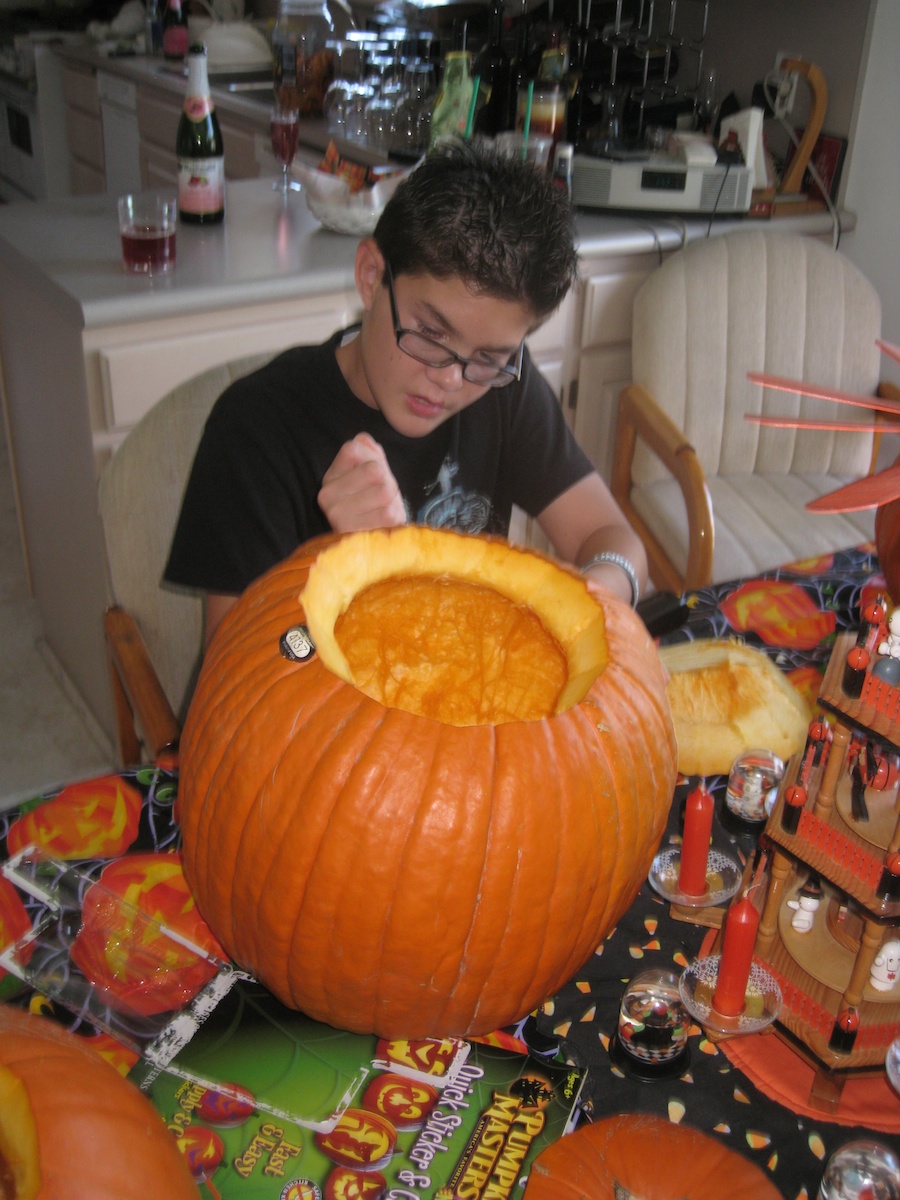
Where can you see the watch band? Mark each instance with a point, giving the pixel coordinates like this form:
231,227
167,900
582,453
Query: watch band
620,561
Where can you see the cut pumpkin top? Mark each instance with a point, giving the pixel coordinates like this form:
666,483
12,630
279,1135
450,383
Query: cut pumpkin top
461,630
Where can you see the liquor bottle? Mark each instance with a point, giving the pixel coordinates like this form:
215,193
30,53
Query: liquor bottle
199,149
175,37
492,66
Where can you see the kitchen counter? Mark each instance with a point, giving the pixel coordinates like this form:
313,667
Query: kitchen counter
263,251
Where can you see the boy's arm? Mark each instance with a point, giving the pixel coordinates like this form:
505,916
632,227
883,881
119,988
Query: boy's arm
358,492
584,521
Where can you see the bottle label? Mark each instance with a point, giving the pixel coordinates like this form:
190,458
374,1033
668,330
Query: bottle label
198,108
201,185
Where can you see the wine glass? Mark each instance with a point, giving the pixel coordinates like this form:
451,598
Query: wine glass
285,127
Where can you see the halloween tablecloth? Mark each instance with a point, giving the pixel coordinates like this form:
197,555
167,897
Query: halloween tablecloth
793,614
751,1093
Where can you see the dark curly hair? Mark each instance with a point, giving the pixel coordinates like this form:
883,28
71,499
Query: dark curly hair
496,222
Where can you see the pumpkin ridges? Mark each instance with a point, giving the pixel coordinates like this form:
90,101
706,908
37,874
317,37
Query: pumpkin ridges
420,886
442,817
286,865
340,871
520,966
203,775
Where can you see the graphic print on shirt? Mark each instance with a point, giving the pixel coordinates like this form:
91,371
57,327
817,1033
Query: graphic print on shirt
450,507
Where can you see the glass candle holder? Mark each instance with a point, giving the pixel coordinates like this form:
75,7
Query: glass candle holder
861,1170
653,1025
753,785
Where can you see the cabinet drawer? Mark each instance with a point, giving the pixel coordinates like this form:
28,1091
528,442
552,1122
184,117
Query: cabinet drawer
85,134
158,118
80,90
158,167
135,376
85,180
608,301
241,160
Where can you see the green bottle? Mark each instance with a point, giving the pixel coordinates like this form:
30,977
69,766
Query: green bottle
199,149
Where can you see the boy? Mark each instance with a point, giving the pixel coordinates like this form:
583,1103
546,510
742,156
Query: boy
430,411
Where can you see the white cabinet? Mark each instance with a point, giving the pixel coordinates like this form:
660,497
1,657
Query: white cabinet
84,130
128,368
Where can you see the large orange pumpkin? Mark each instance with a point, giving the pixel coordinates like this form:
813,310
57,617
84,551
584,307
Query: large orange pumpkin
423,876
71,1125
639,1155
887,540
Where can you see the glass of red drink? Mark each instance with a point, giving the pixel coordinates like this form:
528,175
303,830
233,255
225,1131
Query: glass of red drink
147,223
285,127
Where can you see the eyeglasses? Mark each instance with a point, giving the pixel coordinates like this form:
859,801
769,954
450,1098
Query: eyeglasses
433,354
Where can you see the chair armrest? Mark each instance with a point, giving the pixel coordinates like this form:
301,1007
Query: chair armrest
641,417
139,686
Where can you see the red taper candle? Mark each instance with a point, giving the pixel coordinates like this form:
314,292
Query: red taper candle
698,816
741,925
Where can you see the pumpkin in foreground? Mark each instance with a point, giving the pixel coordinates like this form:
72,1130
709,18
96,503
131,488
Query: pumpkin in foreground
71,1125
636,1156
427,827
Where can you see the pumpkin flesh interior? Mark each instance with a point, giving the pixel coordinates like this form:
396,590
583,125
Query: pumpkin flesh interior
463,630
19,1160
450,650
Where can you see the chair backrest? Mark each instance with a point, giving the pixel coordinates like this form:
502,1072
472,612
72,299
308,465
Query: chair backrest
140,494
757,301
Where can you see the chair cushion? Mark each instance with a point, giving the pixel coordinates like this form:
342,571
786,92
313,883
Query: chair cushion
140,492
760,521
757,301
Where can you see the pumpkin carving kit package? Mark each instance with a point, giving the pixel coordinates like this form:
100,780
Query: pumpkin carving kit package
266,1103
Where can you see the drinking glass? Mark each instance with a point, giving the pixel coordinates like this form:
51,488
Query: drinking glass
147,228
412,117
285,129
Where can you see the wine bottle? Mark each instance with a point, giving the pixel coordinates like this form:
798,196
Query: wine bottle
492,66
199,149
175,35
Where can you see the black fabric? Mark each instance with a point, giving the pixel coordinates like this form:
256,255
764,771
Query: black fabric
251,497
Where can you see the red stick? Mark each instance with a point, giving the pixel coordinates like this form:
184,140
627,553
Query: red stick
698,816
737,955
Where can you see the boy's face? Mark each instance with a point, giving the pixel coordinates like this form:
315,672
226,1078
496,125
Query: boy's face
415,398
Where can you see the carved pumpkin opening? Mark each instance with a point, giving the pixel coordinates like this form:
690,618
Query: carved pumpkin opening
19,1174
498,635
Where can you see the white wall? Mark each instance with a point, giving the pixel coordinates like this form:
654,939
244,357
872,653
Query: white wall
871,185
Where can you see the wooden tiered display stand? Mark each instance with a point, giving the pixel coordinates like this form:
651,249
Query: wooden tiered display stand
828,823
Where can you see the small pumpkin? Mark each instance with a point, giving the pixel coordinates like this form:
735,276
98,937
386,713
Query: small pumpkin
638,1156
71,1125
887,542
428,827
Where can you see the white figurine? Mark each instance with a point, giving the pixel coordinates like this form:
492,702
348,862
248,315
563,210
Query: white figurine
808,900
891,644
886,966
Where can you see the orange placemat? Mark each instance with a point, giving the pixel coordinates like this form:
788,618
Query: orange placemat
785,1077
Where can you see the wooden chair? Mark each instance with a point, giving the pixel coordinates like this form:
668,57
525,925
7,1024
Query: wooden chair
154,630
713,496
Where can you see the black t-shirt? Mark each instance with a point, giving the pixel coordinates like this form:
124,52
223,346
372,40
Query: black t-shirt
252,495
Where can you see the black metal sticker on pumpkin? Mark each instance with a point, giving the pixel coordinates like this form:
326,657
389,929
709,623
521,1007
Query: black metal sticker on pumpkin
296,645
